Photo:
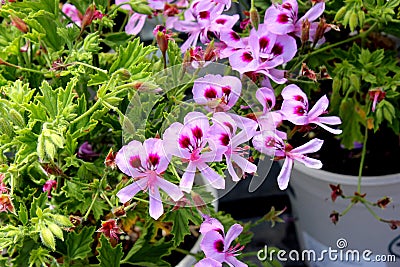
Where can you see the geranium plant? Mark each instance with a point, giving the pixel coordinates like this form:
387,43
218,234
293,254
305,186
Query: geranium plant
110,147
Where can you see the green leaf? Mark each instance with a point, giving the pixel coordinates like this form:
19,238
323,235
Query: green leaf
73,190
180,219
109,256
79,244
351,123
23,214
39,202
98,208
131,56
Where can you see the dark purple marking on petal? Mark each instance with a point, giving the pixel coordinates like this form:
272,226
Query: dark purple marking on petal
234,36
287,6
264,41
270,142
210,92
282,18
299,98
153,159
226,90
184,141
277,50
197,132
219,245
220,21
229,126
299,110
224,139
204,14
135,162
247,57
269,102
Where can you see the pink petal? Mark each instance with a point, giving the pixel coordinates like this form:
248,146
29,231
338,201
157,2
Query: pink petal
208,245
284,175
208,262
126,7
314,12
329,129
128,192
266,97
188,178
310,147
171,189
235,262
319,108
135,23
213,177
155,146
309,162
232,234
155,207
244,164
293,92
210,224
124,155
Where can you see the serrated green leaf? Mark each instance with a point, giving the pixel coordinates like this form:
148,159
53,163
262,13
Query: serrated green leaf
180,219
79,244
55,229
351,123
109,256
39,202
23,214
73,190
132,55
98,208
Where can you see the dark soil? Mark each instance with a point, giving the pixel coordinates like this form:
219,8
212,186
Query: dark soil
382,157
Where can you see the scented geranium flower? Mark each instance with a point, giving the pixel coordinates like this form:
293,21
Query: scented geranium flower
263,53
271,144
295,109
110,229
223,132
217,246
216,92
199,23
282,18
376,95
86,151
48,186
73,13
188,141
136,21
145,163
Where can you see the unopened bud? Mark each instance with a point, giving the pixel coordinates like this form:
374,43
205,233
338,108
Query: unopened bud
19,23
334,217
305,31
254,17
209,53
162,41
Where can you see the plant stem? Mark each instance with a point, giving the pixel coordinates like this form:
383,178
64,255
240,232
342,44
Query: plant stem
91,206
2,62
347,209
363,153
89,66
92,109
183,251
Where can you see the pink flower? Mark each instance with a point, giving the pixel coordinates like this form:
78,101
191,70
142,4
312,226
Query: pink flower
376,95
73,13
145,163
216,92
271,144
264,51
6,203
110,229
188,141
217,246
295,109
48,185
223,132
201,22
282,19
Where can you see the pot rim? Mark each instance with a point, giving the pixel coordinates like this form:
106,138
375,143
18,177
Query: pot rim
346,179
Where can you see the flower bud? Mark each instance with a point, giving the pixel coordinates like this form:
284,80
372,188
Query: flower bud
334,217
383,202
254,17
19,23
319,33
305,31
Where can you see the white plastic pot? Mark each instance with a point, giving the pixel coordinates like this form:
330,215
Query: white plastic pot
309,194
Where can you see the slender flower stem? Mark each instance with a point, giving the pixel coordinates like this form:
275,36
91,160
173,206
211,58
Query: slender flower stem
183,251
91,206
363,153
88,112
2,62
107,199
347,209
89,66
